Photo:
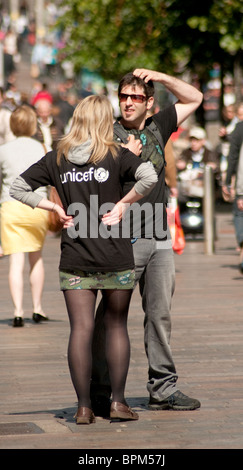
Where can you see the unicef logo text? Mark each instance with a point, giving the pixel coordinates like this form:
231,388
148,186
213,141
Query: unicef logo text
99,174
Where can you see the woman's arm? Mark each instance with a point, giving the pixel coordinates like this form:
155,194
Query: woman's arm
118,212
47,205
146,178
23,192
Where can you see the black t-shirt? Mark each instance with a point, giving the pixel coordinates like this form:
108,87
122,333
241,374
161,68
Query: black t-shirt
152,222
89,188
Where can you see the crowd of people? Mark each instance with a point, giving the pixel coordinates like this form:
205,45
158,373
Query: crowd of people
194,151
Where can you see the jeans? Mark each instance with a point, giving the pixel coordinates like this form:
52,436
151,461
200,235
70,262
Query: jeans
238,223
155,272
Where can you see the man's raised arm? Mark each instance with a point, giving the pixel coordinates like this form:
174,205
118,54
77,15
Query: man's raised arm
189,98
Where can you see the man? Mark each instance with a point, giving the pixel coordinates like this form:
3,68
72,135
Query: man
154,261
195,157
233,188
198,152
49,128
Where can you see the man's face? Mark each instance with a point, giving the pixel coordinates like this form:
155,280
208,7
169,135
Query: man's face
240,113
134,112
44,111
196,144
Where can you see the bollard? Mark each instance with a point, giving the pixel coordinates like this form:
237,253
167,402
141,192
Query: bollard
208,211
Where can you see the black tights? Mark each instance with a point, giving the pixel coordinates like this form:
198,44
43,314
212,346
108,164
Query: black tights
81,308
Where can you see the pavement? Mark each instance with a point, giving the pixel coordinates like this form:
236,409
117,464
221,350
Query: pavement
37,400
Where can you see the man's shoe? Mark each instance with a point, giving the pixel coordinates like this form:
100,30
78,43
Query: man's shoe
176,401
101,405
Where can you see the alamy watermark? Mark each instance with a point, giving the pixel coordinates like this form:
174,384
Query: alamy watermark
146,220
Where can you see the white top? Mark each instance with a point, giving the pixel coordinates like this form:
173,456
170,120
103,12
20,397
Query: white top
6,134
16,157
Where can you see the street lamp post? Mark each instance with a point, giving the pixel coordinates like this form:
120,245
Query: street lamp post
40,19
208,209
14,13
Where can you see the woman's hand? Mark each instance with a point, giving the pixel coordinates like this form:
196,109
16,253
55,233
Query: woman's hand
134,145
116,214
66,220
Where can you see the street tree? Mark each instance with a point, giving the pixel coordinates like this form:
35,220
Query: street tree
114,36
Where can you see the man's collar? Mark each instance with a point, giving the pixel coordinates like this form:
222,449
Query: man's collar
48,123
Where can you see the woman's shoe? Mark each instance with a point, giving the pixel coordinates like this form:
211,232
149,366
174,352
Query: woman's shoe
37,317
18,321
84,415
121,411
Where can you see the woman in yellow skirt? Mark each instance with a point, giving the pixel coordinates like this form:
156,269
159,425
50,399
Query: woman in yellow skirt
23,229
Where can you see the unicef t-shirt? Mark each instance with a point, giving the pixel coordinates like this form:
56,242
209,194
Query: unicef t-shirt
87,192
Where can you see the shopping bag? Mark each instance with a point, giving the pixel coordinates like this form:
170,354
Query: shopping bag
54,223
176,230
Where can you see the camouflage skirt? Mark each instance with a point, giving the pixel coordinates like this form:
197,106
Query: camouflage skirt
96,280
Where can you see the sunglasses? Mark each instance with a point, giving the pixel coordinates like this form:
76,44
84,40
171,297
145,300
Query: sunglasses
134,98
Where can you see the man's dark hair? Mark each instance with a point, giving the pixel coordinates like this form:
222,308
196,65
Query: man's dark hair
130,79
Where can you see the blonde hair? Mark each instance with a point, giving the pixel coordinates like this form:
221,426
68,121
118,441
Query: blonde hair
92,120
23,121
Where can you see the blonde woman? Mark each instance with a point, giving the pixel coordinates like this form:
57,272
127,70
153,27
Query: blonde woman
87,171
22,229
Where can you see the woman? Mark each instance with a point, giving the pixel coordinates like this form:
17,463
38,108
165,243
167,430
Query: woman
87,171
22,229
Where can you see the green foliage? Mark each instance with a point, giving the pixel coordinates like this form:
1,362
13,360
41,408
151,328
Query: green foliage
114,36
226,19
